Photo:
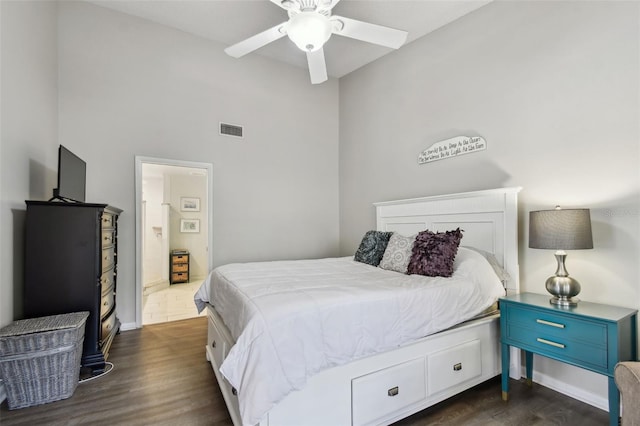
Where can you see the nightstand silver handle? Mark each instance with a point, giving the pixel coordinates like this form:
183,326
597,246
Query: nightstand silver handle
550,343
552,324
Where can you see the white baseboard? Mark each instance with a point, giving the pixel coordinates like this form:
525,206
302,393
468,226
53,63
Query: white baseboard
126,326
571,391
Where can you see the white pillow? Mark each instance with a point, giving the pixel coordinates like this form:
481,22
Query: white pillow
398,253
497,268
475,267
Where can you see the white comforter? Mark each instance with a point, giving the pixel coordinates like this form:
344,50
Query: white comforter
293,319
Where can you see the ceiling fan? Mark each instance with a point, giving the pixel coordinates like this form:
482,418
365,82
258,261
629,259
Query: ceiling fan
310,25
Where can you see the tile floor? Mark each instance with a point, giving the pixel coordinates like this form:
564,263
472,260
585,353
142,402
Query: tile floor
170,304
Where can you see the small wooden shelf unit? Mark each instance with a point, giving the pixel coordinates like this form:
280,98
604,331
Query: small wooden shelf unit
179,266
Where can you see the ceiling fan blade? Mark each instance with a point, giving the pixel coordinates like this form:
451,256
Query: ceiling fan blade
280,3
371,33
256,42
327,4
297,4
317,66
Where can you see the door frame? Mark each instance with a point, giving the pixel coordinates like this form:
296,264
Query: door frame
139,161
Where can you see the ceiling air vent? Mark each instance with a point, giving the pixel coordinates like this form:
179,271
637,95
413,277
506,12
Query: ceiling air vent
231,130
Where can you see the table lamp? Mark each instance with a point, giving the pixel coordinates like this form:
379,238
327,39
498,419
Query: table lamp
560,230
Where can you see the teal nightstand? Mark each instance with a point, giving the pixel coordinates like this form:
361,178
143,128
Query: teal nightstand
590,336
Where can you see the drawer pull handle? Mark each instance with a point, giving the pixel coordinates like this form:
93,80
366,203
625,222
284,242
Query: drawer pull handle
393,391
552,324
234,391
213,345
550,343
457,367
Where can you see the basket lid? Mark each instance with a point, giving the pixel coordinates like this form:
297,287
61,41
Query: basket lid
48,323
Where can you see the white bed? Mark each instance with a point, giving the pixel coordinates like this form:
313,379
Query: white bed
397,372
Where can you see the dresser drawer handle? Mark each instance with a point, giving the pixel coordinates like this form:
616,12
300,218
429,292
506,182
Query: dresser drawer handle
552,324
550,343
393,391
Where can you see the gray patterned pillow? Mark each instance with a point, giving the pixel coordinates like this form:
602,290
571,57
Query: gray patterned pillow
372,247
396,256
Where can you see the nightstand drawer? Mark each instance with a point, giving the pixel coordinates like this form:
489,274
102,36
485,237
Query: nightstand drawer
557,325
565,348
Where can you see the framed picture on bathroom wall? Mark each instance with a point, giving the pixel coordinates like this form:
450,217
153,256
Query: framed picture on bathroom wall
189,204
189,225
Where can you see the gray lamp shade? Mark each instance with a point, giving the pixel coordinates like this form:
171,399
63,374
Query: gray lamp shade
560,229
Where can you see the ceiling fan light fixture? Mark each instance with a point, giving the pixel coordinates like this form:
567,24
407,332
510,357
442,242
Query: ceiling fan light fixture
309,30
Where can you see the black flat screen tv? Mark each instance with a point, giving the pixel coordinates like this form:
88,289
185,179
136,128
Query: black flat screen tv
72,174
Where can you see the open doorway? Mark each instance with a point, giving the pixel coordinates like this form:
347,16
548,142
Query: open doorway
173,237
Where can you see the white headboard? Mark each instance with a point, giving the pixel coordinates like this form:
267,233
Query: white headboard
489,219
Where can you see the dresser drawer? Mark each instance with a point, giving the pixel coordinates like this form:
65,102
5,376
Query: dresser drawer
108,258
377,396
108,220
107,303
557,324
107,281
108,325
108,238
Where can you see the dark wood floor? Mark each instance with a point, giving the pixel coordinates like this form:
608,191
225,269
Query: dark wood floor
161,377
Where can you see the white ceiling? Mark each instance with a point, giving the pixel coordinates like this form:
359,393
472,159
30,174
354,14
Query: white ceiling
229,22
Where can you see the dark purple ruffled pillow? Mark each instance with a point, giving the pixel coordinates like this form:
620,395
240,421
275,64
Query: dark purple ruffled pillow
433,253
372,247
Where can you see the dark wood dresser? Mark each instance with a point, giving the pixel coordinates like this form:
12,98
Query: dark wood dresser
71,252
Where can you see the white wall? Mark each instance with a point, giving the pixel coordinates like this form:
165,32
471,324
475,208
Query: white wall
553,87
152,262
29,130
196,243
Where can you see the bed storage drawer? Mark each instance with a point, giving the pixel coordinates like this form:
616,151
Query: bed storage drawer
230,396
378,395
453,366
218,345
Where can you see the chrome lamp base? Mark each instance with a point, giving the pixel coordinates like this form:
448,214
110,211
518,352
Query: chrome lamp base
562,286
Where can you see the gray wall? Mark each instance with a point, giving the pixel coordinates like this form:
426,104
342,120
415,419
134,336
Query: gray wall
553,88
29,132
131,87
110,86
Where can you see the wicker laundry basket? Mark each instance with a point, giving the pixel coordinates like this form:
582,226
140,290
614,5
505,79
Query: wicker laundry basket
40,358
